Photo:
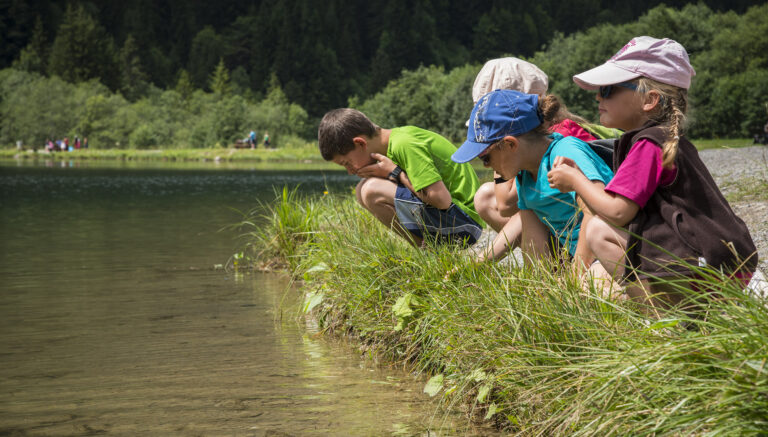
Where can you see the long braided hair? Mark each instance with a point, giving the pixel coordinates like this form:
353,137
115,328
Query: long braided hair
670,112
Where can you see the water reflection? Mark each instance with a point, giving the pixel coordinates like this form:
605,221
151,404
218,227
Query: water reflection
114,321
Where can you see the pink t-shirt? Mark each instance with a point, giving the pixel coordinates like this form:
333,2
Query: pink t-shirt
569,128
641,173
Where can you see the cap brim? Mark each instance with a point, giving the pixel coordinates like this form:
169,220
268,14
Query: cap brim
468,151
606,74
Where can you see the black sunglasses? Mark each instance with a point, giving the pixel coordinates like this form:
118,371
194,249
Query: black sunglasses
605,91
487,157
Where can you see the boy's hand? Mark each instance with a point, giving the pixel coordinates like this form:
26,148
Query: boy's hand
380,169
564,173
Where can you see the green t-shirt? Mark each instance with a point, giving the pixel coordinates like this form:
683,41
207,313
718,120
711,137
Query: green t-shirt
426,158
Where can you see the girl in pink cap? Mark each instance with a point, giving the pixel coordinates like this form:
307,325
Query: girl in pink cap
662,214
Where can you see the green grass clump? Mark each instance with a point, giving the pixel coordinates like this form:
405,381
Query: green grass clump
747,189
277,233
525,347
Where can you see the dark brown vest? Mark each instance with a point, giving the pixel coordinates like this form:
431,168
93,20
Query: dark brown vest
686,222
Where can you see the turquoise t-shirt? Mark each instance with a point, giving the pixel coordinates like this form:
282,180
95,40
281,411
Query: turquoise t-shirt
555,209
425,157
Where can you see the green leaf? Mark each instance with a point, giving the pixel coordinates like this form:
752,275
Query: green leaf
311,300
434,385
319,267
399,326
482,394
491,411
663,323
478,375
402,307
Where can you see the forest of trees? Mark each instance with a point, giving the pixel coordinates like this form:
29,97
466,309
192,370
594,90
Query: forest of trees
143,73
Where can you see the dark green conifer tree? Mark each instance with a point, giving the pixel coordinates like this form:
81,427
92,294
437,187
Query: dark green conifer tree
83,50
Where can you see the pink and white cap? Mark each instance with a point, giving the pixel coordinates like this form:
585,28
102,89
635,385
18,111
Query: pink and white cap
662,60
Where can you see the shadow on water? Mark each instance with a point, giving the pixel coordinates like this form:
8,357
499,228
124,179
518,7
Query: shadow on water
113,320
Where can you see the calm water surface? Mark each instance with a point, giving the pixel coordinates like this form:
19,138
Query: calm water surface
114,321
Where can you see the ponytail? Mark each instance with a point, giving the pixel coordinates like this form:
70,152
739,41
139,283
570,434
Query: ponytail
673,105
553,111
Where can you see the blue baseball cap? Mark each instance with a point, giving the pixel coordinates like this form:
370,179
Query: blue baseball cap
496,115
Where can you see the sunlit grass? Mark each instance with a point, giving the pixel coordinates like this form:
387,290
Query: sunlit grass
722,143
526,348
293,153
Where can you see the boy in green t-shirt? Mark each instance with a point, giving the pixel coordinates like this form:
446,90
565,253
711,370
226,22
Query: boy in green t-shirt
409,181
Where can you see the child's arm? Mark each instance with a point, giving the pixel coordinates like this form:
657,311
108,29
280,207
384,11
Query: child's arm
614,208
436,194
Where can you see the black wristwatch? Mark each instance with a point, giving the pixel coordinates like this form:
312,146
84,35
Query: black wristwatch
395,175
500,180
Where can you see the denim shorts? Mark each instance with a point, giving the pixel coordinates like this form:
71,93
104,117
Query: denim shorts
452,225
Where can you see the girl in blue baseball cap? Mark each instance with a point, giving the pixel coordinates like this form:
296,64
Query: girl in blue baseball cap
506,133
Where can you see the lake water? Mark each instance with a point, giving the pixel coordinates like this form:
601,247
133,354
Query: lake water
114,319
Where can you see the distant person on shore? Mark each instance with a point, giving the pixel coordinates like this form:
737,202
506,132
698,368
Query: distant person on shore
409,182
266,139
77,143
252,139
663,205
508,131
85,143
496,201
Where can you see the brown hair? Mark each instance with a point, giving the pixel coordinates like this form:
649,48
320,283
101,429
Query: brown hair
337,129
669,112
552,112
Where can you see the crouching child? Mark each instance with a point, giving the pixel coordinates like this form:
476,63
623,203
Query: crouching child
409,182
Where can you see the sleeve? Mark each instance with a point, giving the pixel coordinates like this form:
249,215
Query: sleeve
416,161
638,177
585,158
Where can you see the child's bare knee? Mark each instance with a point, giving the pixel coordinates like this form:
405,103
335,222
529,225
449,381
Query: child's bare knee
484,199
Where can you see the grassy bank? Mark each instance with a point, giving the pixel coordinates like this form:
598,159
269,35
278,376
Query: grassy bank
522,347
291,153
297,153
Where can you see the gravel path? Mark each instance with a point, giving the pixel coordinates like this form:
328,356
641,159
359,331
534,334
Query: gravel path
731,166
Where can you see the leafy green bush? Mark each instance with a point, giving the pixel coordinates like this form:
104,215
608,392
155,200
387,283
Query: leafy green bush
428,98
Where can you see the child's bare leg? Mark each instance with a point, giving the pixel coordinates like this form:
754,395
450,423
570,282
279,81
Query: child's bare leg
609,246
535,236
487,207
583,257
378,196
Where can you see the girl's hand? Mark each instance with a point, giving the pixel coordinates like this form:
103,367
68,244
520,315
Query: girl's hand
564,173
379,169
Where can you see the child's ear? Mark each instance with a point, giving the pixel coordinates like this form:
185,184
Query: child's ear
511,141
359,142
651,100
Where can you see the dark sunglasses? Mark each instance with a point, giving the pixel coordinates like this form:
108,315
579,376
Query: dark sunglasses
605,91
487,153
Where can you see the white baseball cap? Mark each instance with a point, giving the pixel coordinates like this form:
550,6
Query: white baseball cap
509,74
663,60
